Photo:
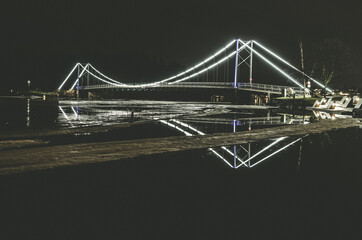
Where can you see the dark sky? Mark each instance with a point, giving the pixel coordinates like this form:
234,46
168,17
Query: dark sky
42,40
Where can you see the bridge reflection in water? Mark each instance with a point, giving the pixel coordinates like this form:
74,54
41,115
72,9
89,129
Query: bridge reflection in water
238,155
245,155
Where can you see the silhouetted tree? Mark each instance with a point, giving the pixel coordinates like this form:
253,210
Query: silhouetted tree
329,60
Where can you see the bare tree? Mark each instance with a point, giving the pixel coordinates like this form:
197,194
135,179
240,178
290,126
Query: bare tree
326,77
329,60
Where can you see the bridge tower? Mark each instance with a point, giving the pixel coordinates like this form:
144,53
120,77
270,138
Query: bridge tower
251,63
77,87
88,75
236,64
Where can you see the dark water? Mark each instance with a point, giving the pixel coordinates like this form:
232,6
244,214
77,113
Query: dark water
27,115
309,190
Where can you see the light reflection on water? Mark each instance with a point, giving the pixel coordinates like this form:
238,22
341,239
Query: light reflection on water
102,113
176,118
181,118
95,113
244,155
28,113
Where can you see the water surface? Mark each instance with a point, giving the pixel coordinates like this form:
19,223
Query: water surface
294,188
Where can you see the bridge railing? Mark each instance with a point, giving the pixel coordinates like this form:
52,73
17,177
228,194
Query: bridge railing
226,84
198,84
269,87
248,86
99,86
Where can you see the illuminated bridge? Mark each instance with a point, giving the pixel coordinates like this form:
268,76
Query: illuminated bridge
221,70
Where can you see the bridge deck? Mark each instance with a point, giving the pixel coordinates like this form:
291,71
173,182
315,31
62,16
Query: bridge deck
254,87
37,158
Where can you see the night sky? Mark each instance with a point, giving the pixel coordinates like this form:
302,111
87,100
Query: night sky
42,40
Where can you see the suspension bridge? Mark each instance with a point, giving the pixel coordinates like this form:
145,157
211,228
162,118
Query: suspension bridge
222,70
